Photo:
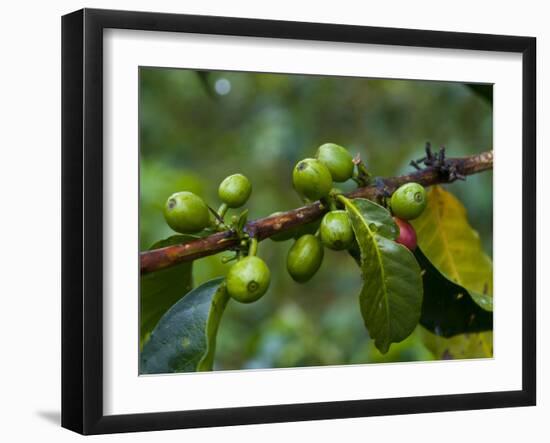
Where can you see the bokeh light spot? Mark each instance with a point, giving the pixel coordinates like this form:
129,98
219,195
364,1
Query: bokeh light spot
222,86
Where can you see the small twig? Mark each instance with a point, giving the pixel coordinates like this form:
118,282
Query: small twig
216,215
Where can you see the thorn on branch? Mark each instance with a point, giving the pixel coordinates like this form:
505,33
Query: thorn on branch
449,170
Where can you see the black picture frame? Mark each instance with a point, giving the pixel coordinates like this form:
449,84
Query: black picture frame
82,218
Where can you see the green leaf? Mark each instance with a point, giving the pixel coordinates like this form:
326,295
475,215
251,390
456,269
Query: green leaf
379,218
205,79
485,301
161,289
449,309
477,345
453,246
185,337
391,297
484,91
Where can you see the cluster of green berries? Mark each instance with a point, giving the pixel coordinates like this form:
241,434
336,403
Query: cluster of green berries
249,278
313,179
187,213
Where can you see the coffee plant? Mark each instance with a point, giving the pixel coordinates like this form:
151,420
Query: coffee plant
420,261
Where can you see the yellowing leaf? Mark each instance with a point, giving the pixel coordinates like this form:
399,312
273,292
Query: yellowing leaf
477,345
453,246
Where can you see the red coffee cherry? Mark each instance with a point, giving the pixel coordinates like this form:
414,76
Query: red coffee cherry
407,234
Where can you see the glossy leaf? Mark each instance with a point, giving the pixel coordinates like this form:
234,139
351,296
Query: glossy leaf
485,301
391,297
447,308
184,339
477,345
453,246
379,218
161,289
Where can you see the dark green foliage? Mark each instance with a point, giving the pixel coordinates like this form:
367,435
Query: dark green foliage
184,339
448,309
160,290
484,91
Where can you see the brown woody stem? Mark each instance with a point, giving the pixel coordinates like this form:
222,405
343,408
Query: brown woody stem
263,228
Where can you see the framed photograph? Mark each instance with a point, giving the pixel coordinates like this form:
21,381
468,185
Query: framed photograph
268,221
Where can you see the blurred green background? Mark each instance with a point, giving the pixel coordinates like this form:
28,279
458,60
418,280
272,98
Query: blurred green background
198,127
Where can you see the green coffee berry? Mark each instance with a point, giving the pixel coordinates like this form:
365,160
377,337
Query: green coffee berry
186,212
312,179
248,279
408,201
235,190
304,258
336,232
338,160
